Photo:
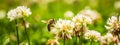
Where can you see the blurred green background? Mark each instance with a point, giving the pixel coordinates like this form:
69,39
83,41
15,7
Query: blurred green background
47,9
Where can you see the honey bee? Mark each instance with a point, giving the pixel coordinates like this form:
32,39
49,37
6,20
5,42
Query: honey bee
50,23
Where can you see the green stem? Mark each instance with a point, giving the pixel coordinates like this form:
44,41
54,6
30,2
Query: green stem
64,41
81,36
91,42
76,41
1,40
80,40
17,31
26,32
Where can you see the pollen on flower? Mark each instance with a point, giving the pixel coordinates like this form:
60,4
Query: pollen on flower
92,35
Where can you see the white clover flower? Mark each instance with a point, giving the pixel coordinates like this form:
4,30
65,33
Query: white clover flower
53,42
19,12
113,25
12,14
92,35
64,24
81,20
68,14
23,11
94,15
63,28
112,22
108,38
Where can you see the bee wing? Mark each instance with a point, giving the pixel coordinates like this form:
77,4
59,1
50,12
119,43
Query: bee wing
44,21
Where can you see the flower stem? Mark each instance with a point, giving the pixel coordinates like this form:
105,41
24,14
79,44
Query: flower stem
17,31
80,40
64,41
1,40
81,36
76,40
91,42
27,36
26,32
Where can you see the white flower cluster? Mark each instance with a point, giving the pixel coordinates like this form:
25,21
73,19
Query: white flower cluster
81,20
77,26
94,15
108,38
64,24
53,42
92,35
63,27
112,23
19,12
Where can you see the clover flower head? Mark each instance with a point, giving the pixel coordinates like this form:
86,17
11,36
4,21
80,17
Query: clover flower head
24,11
94,15
81,19
79,30
64,24
92,35
108,37
113,23
19,12
12,14
63,28
53,42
